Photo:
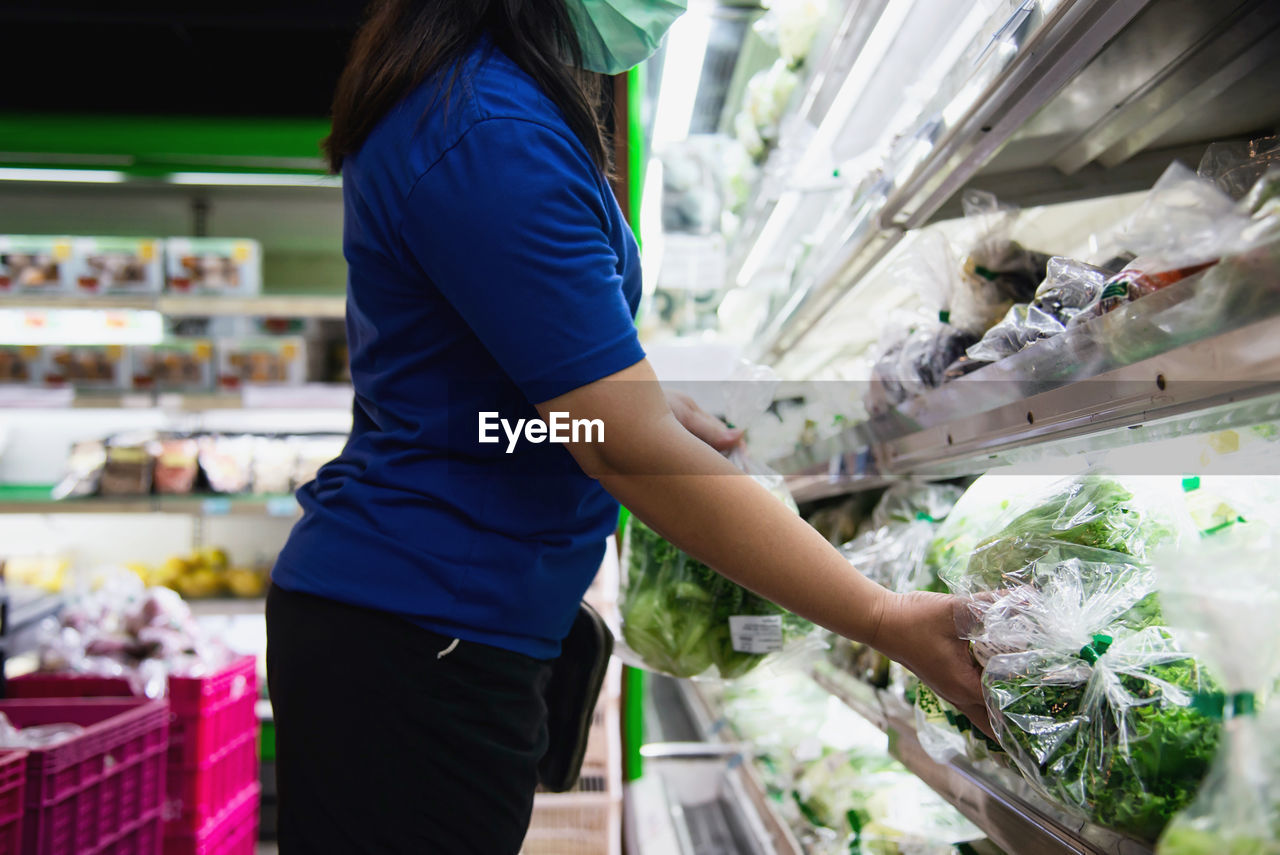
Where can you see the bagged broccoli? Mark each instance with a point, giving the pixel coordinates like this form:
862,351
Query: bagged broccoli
1232,622
1090,695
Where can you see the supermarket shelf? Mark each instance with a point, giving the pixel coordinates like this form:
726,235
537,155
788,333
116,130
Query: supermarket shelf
325,396
711,800
1021,823
21,611
978,422
283,306
219,606
35,500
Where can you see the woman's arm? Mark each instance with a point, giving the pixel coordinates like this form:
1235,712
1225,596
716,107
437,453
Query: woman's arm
659,470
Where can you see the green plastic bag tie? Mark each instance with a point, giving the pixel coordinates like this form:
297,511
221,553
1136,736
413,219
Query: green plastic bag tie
1190,483
855,824
944,315
1094,650
925,517
1220,526
1219,706
985,272
1116,289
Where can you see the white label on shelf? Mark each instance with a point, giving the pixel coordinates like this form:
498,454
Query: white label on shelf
756,633
135,401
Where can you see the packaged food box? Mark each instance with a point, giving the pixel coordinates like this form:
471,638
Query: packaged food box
19,364
278,361
128,468
177,465
179,364
86,366
213,266
110,265
227,462
34,264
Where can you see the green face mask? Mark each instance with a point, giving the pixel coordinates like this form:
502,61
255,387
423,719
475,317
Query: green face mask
617,35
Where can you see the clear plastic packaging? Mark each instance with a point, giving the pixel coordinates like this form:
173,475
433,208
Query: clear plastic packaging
230,267
85,366
1236,166
904,524
1229,616
998,271
174,364
36,736
114,265
267,361
681,617
34,264
19,364
227,462
177,465
1090,695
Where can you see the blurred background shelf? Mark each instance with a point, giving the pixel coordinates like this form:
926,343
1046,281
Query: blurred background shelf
29,499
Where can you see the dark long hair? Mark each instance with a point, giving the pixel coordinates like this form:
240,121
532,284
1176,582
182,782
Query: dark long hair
403,41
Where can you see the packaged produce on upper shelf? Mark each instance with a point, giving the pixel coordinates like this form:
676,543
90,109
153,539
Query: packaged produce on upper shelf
214,266
137,266
34,264
194,364
117,265
142,463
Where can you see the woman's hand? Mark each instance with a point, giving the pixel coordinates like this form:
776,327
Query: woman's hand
919,630
702,424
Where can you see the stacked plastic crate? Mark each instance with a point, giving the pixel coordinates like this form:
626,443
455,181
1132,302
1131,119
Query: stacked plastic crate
211,776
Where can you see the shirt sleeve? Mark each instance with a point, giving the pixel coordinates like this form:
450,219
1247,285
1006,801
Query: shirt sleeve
510,225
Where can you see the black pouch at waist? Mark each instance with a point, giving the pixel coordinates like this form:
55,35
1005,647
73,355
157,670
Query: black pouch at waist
572,691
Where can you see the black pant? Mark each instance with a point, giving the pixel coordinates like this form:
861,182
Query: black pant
389,741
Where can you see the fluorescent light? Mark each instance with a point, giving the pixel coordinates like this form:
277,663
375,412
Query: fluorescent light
785,208
80,326
851,90
254,179
71,176
651,225
681,72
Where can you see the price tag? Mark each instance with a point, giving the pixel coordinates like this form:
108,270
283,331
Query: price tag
282,506
756,633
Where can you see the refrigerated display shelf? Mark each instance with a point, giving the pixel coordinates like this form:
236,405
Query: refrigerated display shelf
975,423
1064,95
1017,822
28,499
281,306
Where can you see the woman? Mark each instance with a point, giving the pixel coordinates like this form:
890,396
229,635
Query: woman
419,602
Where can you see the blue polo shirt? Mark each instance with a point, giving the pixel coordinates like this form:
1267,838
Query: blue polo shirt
490,268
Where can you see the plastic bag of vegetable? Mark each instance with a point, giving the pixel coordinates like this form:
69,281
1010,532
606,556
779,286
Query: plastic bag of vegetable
1090,695
1069,288
903,523
1235,166
998,271
1232,623
1125,515
681,617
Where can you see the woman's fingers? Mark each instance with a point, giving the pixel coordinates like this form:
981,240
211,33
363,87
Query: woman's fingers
702,424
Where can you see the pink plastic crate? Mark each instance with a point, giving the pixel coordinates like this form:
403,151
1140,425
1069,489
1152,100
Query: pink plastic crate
198,795
234,832
13,766
208,718
101,792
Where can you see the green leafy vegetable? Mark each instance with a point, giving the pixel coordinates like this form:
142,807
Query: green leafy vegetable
676,610
1116,741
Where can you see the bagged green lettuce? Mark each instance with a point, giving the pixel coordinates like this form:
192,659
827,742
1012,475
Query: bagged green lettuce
1091,696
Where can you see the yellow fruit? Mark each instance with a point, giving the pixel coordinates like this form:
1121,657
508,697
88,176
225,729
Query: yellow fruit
244,582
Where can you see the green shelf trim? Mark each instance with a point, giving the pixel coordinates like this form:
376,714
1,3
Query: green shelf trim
146,145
